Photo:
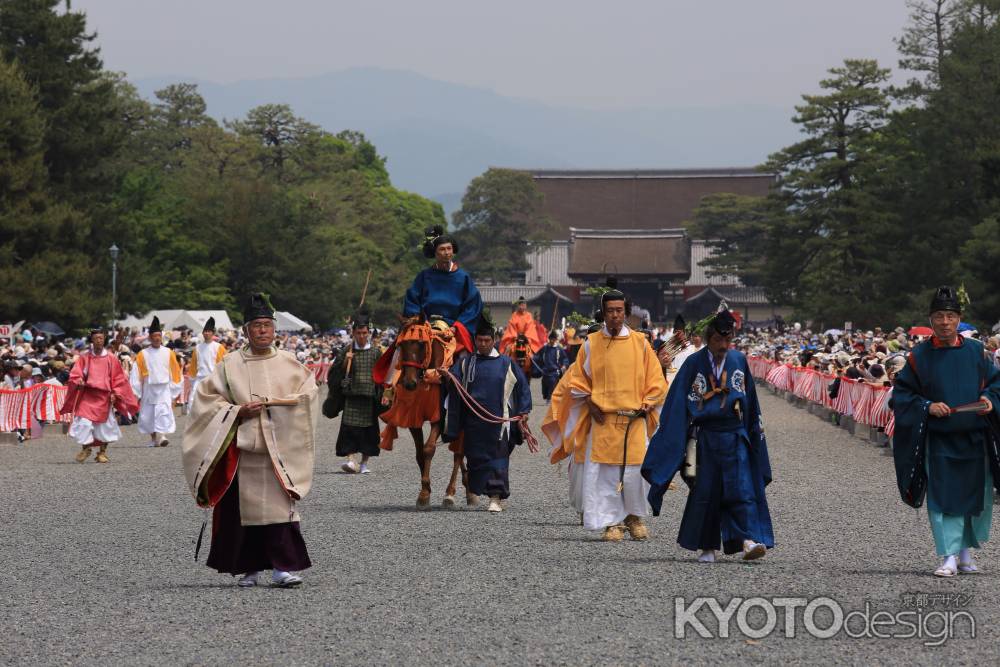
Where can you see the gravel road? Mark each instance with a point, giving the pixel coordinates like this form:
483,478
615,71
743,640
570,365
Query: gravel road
99,568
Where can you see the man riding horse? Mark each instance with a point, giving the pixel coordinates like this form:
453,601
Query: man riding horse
439,309
521,328
442,291
445,290
522,354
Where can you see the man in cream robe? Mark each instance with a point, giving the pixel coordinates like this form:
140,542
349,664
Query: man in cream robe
156,380
248,452
615,377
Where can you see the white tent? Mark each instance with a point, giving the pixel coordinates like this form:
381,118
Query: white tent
135,321
195,319
143,321
173,319
288,322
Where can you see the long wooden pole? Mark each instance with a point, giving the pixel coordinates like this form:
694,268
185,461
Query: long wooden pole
364,290
350,353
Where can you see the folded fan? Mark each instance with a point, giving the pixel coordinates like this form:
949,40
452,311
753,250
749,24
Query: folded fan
978,406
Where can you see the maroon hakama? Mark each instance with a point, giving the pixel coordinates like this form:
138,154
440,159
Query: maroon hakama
238,549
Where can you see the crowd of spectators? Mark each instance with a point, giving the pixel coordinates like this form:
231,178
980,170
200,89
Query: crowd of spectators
873,356
31,357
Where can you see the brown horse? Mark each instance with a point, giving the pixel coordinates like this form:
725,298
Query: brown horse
522,354
424,349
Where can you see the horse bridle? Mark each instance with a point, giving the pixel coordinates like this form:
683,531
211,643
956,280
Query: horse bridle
420,333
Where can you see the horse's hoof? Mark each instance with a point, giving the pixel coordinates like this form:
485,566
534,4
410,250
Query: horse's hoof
471,500
449,501
423,502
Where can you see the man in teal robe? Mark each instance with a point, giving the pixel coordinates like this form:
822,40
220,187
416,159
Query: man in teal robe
949,456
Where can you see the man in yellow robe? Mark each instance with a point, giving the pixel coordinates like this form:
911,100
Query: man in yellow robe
521,322
604,418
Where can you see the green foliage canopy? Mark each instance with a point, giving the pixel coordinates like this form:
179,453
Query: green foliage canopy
203,212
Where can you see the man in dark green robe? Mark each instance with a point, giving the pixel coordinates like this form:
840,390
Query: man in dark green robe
352,375
946,455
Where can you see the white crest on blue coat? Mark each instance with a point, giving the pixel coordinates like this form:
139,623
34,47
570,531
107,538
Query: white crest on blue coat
739,382
698,388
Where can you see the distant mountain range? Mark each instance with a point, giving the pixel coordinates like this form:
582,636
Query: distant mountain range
438,135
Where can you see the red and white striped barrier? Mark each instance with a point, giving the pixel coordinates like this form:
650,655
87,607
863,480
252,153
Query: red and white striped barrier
866,403
321,371
186,386
41,401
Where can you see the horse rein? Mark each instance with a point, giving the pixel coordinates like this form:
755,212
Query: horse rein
480,412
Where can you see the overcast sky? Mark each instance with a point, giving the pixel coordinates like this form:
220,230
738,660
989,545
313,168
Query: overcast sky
594,53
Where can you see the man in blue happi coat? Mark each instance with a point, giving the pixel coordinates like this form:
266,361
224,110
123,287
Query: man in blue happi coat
501,388
552,362
950,456
713,401
445,290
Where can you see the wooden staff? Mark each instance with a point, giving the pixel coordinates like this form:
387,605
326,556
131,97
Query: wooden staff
350,352
364,290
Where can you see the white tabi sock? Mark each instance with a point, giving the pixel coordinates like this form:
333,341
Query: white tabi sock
248,580
965,556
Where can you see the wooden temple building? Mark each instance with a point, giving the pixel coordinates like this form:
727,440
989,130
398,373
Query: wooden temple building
631,224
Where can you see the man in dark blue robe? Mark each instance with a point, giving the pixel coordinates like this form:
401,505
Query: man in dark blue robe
714,401
500,386
552,361
951,457
444,289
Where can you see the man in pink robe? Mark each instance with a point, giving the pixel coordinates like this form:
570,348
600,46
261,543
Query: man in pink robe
98,387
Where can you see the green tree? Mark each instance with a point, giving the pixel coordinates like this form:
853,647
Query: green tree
925,41
176,117
22,133
501,213
814,241
978,258
202,213
287,144
744,232
40,265
54,52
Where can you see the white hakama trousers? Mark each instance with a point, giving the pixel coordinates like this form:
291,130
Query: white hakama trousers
85,432
576,484
156,409
156,418
599,497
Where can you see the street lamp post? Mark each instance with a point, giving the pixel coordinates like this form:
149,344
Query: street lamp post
113,250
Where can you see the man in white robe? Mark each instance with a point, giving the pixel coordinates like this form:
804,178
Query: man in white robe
205,356
156,380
